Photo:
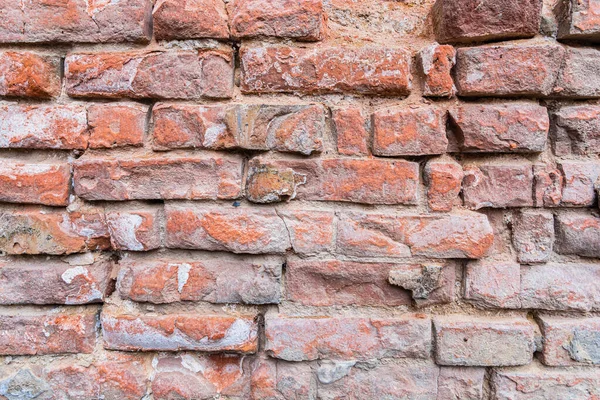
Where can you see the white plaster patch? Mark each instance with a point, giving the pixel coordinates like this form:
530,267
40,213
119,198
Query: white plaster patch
69,275
183,274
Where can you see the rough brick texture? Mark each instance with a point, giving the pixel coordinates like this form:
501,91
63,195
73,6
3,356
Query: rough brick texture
299,199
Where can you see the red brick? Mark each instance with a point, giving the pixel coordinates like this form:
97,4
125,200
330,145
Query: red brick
154,177
301,20
576,130
116,125
191,376
298,339
436,63
342,283
325,70
546,383
135,228
533,236
70,281
75,21
26,74
579,20
458,21
578,234
429,283
578,184
241,230
190,19
52,333
351,131
465,235
461,383
574,80
279,380
465,341
444,182
569,342
142,74
512,70
34,230
176,332
43,126
560,287
121,377
368,181
409,131
506,128
270,185
414,380
296,129
493,284
220,280
311,232
498,186
35,183
548,184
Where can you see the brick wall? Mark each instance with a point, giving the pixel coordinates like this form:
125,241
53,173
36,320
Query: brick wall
300,199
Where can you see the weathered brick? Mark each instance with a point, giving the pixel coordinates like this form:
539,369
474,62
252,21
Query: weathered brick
120,377
376,71
301,20
191,376
342,283
578,234
190,19
416,380
296,129
498,186
75,280
135,229
576,130
34,230
457,21
465,341
579,178
436,63
409,131
369,181
175,332
279,380
26,74
560,287
167,280
579,20
512,70
154,177
444,182
237,230
339,283
43,126
116,125
505,128
51,333
311,232
548,185
465,235
75,21
574,80
494,284
298,339
460,383
533,236
191,74
351,131
546,383
35,183
429,283
569,342
270,185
